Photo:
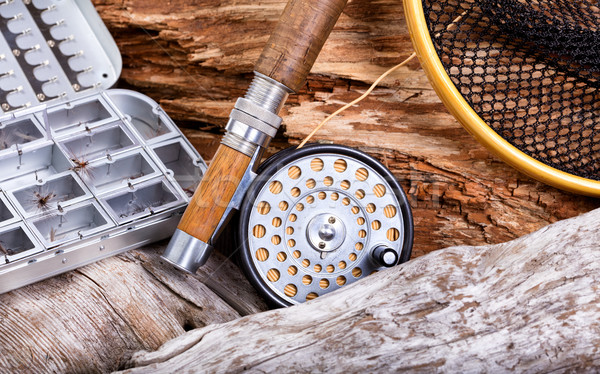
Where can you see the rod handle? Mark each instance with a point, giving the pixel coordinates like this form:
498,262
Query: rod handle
297,40
214,193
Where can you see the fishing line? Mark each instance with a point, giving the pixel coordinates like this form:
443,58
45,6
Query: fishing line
362,97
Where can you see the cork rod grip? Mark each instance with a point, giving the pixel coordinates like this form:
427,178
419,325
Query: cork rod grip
297,40
212,197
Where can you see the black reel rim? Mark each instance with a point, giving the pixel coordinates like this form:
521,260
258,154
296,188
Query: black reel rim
280,160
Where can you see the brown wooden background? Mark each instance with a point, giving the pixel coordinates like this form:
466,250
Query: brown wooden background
196,57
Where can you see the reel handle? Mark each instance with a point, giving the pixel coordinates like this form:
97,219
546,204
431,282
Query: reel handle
282,68
297,40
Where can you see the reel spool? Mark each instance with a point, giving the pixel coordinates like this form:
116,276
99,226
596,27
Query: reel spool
319,218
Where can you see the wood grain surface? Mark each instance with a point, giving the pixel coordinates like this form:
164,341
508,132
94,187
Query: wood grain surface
196,58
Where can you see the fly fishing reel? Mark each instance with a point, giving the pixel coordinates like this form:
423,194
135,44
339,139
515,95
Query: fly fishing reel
319,218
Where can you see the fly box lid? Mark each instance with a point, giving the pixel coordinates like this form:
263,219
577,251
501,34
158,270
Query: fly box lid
53,51
85,171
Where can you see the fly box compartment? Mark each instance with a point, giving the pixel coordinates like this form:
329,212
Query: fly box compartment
86,172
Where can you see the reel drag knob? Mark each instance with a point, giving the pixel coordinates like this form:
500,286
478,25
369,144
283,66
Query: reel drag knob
385,256
319,218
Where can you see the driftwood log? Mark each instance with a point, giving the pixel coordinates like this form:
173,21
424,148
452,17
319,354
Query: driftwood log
529,305
92,319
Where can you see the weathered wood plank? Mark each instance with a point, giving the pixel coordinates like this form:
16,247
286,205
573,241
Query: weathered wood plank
529,305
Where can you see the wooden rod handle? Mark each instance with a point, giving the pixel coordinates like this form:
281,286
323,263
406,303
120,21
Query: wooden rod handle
214,193
297,40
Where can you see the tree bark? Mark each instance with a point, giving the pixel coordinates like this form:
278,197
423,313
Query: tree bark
196,58
529,305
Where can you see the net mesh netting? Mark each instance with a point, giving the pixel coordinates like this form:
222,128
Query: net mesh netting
531,70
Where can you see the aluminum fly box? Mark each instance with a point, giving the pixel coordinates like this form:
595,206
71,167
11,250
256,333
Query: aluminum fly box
86,172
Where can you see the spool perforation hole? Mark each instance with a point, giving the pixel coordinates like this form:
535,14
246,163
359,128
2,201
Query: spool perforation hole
323,283
289,230
340,165
297,254
375,225
355,209
316,164
345,184
295,192
281,256
362,174
290,290
306,280
283,206
379,190
393,234
341,280
328,181
276,239
263,208
390,211
357,272
262,254
352,257
293,218
318,268
322,195
275,187
346,201
311,183
311,296
306,262
342,265
276,222
294,172
335,196
291,243
362,234
259,231
359,246
360,194
330,268
273,275
292,270
299,207
310,199
360,221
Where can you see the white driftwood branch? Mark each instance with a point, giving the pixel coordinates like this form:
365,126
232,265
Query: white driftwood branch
529,305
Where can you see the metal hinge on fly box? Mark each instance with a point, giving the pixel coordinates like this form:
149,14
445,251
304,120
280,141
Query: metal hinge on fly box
85,172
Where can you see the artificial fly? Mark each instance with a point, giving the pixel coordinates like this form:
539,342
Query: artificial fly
42,201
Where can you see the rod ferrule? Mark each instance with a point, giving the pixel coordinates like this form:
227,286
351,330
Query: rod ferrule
254,121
